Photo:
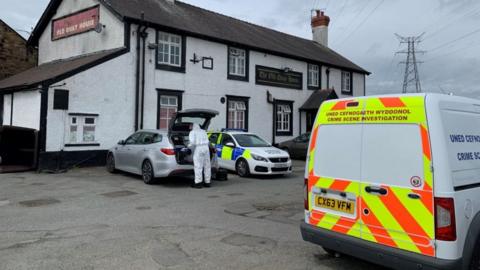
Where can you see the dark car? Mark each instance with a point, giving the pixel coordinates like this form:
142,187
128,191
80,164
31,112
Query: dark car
297,148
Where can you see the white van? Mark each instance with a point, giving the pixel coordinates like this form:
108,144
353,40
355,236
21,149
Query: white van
395,180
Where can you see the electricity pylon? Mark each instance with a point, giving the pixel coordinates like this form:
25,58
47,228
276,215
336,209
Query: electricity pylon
411,64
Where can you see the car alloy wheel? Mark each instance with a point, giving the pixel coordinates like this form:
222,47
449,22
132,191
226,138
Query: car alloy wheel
111,163
147,172
242,168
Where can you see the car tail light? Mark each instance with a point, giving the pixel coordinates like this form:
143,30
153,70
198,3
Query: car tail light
445,227
305,191
168,151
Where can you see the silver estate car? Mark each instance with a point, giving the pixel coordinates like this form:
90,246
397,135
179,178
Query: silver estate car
161,153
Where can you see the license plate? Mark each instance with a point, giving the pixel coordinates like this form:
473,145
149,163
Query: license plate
336,205
280,165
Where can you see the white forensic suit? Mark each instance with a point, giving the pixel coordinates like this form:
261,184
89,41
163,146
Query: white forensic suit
198,140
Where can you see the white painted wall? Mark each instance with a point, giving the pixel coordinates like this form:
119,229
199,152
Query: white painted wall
108,90
7,101
204,88
336,82
111,37
26,109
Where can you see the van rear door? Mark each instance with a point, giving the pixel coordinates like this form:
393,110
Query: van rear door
396,180
334,169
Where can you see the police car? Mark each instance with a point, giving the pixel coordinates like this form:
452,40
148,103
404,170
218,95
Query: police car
247,153
395,180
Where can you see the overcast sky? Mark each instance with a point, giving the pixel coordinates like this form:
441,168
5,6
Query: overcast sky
361,30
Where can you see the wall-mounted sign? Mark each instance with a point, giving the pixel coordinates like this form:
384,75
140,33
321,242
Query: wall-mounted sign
73,24
278,77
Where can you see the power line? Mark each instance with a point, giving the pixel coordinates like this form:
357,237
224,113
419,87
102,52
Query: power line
471,45
457,39
364,20
452,22
342,9
355,16
390,66
435,24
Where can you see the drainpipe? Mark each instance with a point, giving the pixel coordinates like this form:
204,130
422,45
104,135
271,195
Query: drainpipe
272,101
328,78
144,36
300,122
137,77
274,126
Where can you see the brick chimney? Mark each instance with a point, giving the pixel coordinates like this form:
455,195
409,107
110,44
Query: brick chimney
320,24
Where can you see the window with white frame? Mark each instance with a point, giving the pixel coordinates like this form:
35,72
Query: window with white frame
82,129
346,82
237,60
313,75
169,49
168,109
284,118
237,111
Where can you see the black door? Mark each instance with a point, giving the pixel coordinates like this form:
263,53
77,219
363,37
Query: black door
310,119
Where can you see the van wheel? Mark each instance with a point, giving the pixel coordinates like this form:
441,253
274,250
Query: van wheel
242,168
475,264
147,172
111,163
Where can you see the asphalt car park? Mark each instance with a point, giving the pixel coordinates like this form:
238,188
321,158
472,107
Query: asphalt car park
91,219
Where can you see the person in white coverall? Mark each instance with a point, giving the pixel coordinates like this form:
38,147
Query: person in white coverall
198,142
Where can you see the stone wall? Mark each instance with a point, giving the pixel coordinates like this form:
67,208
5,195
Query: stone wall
15,57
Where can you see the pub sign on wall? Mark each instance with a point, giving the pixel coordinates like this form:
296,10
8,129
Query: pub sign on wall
278,77
76,23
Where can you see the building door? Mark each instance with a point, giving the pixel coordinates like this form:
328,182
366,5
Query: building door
310,119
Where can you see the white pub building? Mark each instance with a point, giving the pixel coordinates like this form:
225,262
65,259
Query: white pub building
110,67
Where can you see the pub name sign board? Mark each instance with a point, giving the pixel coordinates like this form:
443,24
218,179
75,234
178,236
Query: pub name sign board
77,23
279,78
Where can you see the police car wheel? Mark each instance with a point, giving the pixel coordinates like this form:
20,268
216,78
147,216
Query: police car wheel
111,163
147,172
242,168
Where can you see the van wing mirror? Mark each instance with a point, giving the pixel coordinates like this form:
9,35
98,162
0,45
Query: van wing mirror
230,144
121,142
